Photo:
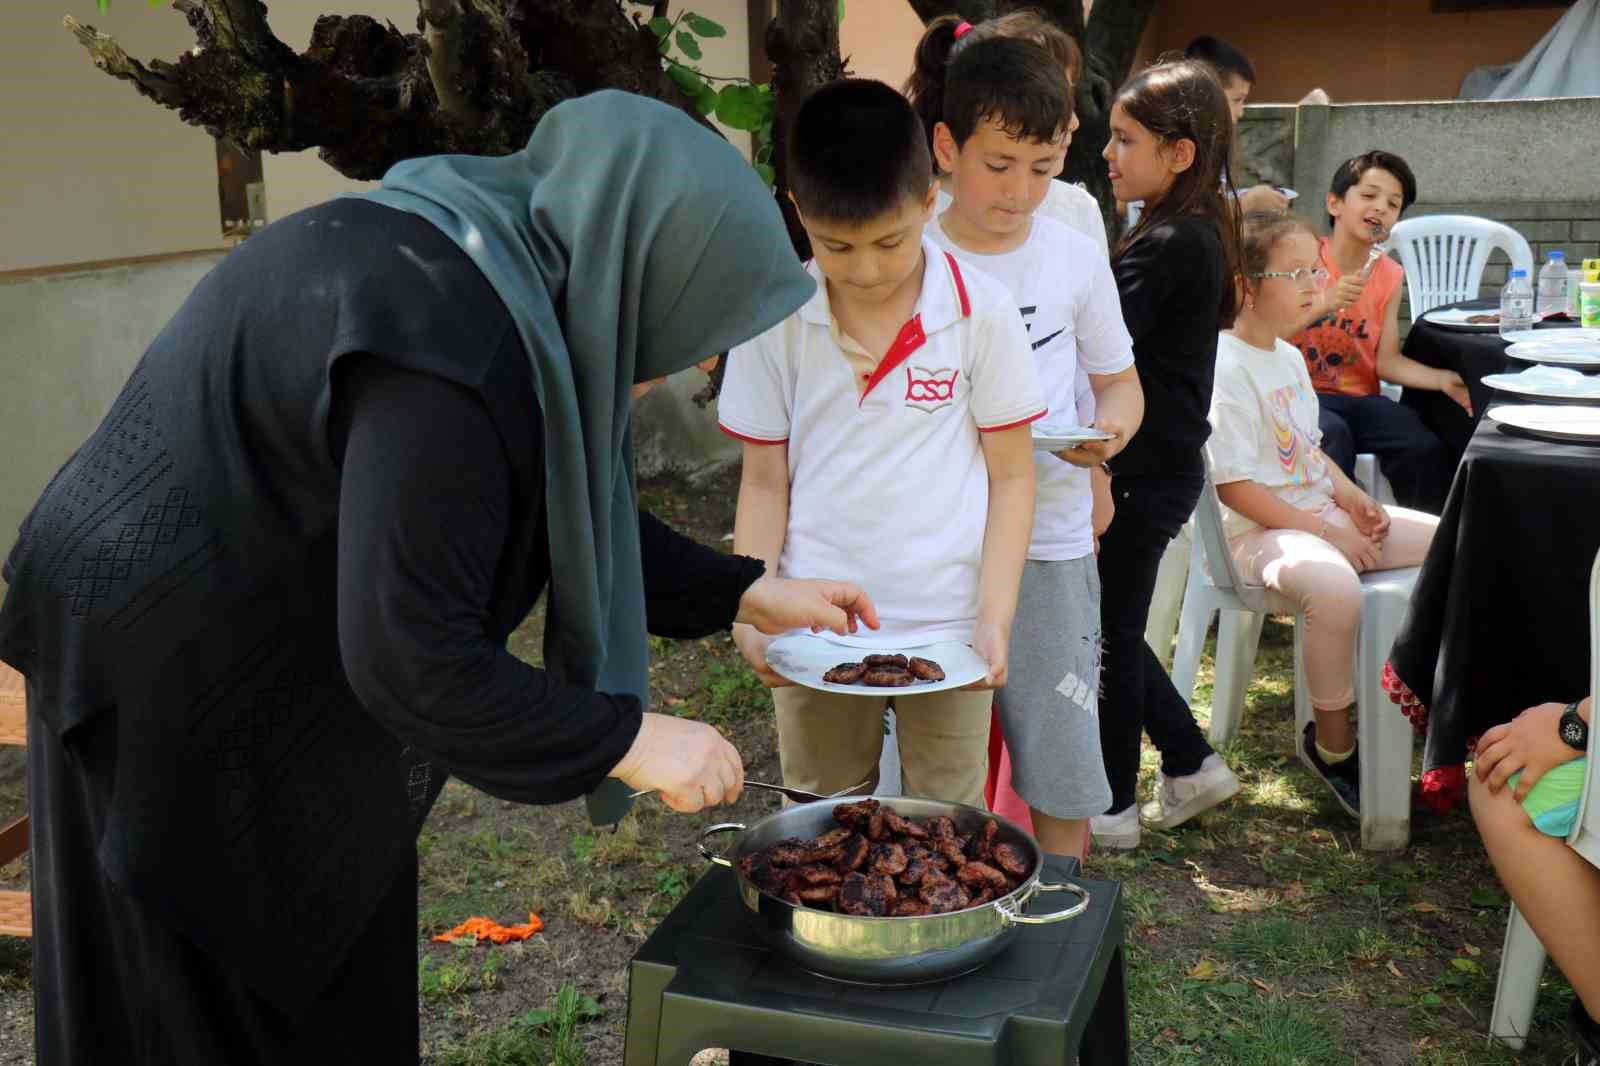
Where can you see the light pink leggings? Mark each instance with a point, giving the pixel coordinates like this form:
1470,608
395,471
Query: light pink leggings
1317,577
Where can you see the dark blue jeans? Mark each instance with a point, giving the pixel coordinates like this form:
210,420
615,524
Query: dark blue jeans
1409,455
1136,695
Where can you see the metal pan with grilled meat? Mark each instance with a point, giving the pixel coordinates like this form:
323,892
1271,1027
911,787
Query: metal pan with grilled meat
890,951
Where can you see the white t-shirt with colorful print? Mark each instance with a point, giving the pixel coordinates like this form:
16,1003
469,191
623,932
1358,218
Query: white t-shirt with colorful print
1264,427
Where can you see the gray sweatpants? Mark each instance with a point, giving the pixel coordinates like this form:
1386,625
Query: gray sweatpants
1049,708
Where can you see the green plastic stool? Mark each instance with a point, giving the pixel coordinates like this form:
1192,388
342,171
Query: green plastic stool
709,977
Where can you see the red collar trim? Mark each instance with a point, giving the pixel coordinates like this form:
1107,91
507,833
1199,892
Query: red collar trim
911,335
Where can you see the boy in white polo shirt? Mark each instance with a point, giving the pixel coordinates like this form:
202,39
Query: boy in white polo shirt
886,442
1007,116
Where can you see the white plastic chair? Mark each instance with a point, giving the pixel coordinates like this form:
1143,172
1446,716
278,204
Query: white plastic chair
1522,958
1444,256
1385,733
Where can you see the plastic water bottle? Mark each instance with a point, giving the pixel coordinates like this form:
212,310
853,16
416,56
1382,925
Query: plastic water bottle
1516,303
1553,279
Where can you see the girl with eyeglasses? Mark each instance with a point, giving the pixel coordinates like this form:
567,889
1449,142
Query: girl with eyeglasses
1295,522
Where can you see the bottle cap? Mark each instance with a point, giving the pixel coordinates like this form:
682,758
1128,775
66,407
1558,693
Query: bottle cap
1559,254
1518,272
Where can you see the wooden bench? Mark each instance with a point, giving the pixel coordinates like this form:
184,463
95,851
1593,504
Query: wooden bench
16,908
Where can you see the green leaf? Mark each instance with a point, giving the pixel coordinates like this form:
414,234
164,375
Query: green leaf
841,10
686,79
1234,990
660,27
768,175
764,153
1466,965
687,44
705,100
742,106
703,26
1431,999
103,5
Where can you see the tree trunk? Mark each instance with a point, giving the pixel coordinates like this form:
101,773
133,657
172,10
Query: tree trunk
803,44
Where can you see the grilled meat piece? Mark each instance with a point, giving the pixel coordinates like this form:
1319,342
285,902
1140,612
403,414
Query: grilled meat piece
853,853
877,828
925,669
950,850
813,875
903,826
943,895
1011,859
910,907
888,859
790,852
985,895
818,895
832,838
981,846
898,661
867,895
790,897
855,815
977,875
887,677
759,869
826,856
845,674
916,870
941,827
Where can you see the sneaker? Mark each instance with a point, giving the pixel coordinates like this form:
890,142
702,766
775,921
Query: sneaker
1343,780
1585,1036
1119,831
1179,799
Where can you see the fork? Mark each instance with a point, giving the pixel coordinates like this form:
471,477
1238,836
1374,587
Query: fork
799,795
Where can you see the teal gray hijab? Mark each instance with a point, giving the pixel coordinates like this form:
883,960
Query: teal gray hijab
628,242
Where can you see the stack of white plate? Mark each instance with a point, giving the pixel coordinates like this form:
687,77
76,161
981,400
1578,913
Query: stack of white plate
1578,349
1568,425
1547,384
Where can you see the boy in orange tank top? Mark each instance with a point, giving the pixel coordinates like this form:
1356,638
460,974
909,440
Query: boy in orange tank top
1352,341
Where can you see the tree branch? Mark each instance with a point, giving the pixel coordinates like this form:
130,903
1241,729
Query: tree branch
441,24
108,55
241,26
803,44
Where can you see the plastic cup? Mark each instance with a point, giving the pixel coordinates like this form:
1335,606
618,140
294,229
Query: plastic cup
1589,314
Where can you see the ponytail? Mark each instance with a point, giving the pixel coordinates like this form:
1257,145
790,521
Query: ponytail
925,87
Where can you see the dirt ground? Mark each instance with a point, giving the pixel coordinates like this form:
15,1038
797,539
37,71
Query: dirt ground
1261,935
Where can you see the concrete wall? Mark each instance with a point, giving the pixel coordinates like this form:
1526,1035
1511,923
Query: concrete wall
1359,50
71,340
1523,162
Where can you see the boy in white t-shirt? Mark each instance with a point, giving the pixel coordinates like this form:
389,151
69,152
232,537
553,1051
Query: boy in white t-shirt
886,441
1008,109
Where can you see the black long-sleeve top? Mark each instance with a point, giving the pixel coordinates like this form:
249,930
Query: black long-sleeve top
1171,283
424,517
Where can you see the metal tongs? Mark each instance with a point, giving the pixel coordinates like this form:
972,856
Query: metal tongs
799,795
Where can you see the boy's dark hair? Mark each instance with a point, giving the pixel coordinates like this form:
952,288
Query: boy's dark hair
939,45
856,153
1013,82
1351,171
1221,57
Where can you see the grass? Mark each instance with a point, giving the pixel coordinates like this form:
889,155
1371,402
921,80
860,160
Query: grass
544,1037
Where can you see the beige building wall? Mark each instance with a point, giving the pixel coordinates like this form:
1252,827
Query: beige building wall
878,39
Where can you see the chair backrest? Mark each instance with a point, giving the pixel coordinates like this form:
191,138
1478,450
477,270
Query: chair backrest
1585,835
1444,256
1214,539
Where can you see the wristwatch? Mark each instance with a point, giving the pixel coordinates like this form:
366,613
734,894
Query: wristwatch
1574,730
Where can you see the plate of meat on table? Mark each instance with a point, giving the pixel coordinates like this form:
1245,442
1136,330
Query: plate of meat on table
816,662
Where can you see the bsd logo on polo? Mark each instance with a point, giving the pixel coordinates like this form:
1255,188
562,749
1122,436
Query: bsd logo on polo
929,390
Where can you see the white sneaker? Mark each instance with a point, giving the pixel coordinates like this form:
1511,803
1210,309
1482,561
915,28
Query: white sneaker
1179,799
1119,832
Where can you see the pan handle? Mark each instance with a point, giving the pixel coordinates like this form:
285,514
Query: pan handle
710,830
1012,913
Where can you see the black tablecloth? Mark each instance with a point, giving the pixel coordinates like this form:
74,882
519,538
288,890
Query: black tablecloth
1472,354
1499,620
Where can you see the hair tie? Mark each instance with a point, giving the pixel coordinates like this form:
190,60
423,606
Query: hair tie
963,28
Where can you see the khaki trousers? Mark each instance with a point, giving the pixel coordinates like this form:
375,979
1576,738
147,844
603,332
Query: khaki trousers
828,741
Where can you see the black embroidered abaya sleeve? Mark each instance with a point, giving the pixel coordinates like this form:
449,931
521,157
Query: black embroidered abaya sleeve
424,514
690,590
